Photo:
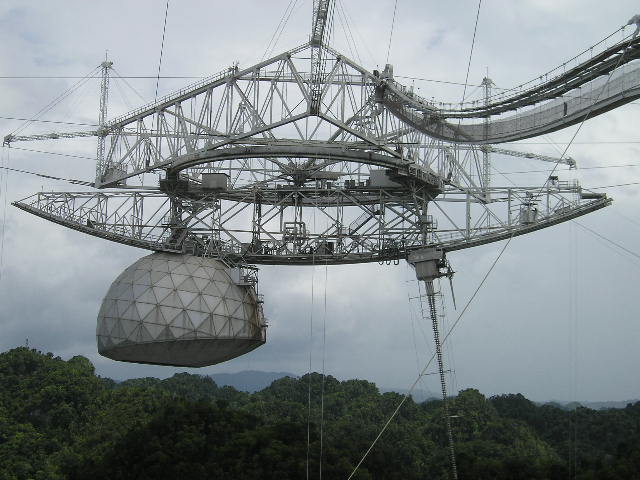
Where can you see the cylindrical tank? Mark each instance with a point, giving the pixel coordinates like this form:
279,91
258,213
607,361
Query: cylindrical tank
181,310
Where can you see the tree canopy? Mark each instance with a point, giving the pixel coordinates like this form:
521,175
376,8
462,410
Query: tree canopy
58,420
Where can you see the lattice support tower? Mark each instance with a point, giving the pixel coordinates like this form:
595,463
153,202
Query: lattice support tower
321,9
105,68
487,83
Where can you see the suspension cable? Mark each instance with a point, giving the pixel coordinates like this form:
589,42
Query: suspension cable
22,119
573,303
393,22
130,86
50,177
351,40
74,77
612,186
164,31
594,167
533,81
56,101
355,29
411,318
275,38
473,42
628,219
429,290
324,343
313,270
49,153
3,192
630,252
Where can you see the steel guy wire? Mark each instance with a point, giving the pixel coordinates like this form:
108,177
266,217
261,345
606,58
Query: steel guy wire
164,31
130,86
624,249
348,35
35,120
49,153
342,11
280,24
51,177
56,101
324,344
473,42
4,191
393,22
355,29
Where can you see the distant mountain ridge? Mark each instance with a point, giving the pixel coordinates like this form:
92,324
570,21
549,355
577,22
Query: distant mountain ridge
255,380
607,405
418,395
252,381
592,405
249,380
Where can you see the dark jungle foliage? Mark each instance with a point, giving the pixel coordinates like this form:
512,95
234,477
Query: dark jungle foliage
58,420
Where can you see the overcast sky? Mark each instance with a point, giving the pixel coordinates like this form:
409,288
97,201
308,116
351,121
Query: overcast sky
557,318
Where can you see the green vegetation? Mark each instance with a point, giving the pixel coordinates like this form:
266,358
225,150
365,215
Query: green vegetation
58,420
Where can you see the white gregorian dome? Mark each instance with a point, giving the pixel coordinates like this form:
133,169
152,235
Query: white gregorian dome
181,310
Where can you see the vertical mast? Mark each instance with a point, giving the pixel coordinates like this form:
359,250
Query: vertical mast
487,83
320,17
430,264
433,314
102,116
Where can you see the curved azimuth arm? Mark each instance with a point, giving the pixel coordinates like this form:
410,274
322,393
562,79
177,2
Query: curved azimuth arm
555,103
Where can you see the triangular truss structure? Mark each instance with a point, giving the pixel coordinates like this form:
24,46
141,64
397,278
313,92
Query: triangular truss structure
276,164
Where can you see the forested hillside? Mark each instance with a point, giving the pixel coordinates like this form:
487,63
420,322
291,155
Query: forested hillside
58,420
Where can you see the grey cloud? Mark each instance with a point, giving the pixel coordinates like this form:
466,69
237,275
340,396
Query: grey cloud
555,318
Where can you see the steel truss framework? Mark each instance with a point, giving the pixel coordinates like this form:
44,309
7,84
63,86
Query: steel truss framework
561,98
352,225
309,164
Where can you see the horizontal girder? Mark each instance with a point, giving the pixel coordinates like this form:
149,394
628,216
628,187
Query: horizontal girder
315,150
307,226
